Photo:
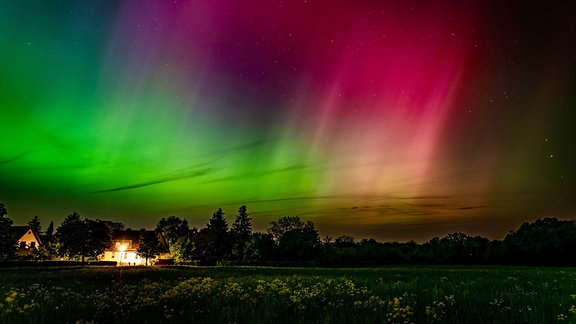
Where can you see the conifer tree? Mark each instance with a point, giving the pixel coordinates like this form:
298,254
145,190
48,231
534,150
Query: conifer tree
214,239
35,224
240,233
7,239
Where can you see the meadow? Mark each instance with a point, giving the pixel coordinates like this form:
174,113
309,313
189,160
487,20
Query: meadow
409,294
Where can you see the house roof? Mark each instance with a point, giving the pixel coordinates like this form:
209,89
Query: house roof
126,235
133,236
19,231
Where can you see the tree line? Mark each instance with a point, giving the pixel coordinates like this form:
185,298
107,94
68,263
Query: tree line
292,241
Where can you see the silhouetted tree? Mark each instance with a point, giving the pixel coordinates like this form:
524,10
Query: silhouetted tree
544,242
398,253
47,236
284,225
34,223
242,226
47,251
83,238
547,241
114,226
218,222
240,233
99,237
261,247
71,235
455,248
298,245
370,251
345,241
214,240
172,228
186,247
149,246
494,253
7,239
340,252
460,248
297,241
429,252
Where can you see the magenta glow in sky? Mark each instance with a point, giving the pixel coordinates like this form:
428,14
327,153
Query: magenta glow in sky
390,119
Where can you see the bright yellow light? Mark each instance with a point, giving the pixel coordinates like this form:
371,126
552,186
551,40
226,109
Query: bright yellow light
122,248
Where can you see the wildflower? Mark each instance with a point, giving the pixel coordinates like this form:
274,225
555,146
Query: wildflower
497,302
450,300
398,313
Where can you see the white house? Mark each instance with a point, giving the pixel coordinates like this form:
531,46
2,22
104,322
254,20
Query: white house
27,237
125,246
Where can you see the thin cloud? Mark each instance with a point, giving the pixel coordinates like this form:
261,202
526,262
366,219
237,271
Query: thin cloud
469,207
185,175
14,158
424,197
256,174
233,148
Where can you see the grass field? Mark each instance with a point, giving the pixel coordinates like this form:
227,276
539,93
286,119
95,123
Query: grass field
287,295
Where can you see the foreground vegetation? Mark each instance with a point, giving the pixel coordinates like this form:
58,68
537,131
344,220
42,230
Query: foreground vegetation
265,295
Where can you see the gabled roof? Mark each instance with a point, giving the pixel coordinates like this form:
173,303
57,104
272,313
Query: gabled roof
133,236
19,231
126,235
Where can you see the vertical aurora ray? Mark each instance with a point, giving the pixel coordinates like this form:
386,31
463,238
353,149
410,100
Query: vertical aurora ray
367,116
390,91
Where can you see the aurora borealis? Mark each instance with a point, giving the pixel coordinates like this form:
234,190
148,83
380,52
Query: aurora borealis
397,120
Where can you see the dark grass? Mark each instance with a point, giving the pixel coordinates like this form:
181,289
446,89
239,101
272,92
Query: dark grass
410,294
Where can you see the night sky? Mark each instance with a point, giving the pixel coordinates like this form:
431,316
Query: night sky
398,120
